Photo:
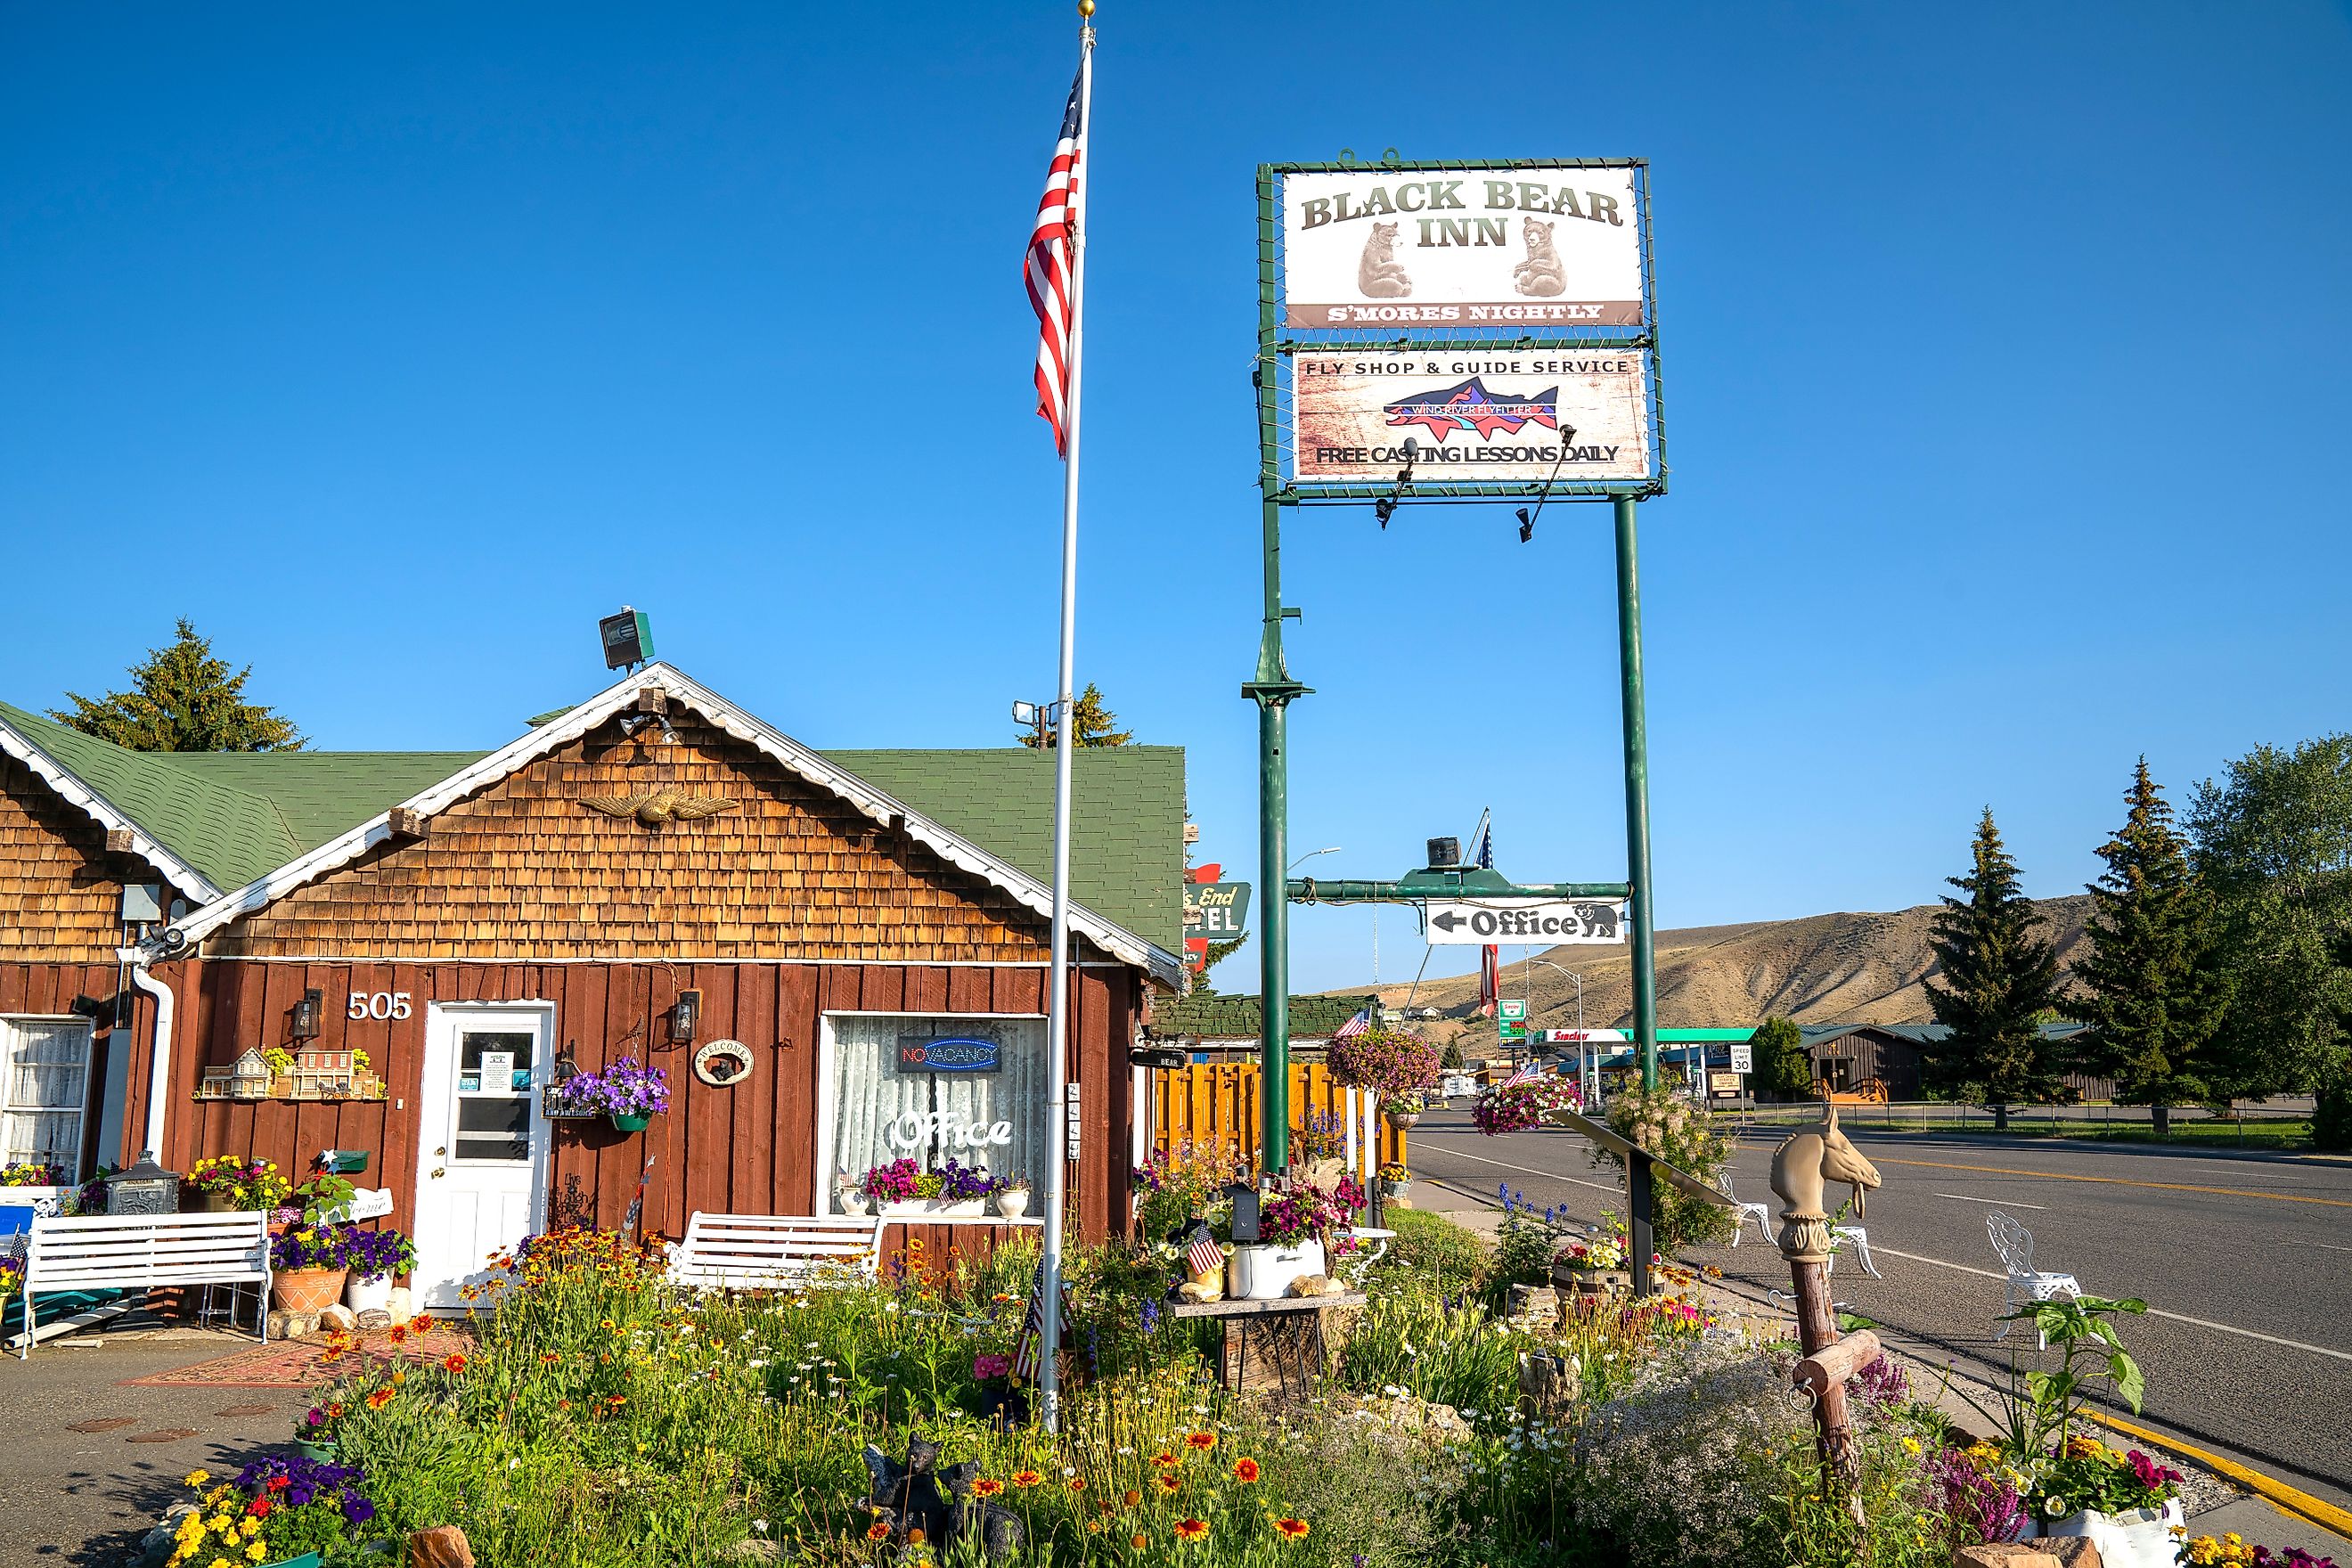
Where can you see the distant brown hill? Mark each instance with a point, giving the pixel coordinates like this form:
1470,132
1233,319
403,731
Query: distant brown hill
1847,968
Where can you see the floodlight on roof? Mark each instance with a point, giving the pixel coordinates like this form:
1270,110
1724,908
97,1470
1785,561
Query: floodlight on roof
629,638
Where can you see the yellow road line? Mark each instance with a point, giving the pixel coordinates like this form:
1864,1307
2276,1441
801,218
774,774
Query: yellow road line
2120,1181
2326,1515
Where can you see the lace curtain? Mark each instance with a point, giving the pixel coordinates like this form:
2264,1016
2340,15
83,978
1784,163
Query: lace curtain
881,1113
44,1076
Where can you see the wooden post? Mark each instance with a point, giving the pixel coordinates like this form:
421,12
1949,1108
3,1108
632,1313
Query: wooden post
1640,1240
1817,1332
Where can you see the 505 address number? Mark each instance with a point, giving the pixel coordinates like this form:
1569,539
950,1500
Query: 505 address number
378,1005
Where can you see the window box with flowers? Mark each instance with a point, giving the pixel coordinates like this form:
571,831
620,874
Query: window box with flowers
1594,1264
904,1188
625,1094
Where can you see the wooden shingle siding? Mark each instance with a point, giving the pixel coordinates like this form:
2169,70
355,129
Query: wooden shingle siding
523,872
60,892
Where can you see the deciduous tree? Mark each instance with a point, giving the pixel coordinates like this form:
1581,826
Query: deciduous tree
1784,1065
2150,993
1996,974
182,699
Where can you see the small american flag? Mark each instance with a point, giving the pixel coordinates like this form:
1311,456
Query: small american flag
1527,1073
1355,1026
1026,1353
1205,1254
1049,268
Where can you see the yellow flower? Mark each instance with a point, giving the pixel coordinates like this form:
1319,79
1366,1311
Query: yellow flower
1910,1444
198,1477
251,1526
255,1551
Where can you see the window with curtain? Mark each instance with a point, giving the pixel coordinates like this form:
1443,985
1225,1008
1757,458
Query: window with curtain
44,1078
883,1110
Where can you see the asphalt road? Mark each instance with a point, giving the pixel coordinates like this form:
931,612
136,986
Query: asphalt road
2245,1264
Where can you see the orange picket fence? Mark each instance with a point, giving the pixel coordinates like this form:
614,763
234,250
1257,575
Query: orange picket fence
1216,1105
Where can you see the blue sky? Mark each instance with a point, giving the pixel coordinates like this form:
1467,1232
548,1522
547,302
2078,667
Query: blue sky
2004,359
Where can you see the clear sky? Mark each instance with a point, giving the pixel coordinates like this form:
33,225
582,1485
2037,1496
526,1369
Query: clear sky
2005,357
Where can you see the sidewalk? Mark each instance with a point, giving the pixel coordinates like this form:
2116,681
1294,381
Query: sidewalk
2216,1505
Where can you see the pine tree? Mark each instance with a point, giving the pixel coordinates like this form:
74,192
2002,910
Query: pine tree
2149,994
1095,725
181,700
1996,976
1784,1065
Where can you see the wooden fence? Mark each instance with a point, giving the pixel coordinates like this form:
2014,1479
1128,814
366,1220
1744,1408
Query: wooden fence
1216,1105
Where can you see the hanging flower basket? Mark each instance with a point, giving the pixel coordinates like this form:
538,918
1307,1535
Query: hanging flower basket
625,1094
629,1124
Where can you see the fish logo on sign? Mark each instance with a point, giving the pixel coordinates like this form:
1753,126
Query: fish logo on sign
1470,406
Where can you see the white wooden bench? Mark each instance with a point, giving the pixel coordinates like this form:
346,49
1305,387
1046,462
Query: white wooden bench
767,1252
142,1252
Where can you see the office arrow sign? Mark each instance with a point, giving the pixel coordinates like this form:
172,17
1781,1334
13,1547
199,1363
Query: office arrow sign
1544,921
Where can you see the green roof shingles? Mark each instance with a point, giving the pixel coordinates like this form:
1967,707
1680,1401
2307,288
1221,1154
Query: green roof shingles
236,815
1239,1017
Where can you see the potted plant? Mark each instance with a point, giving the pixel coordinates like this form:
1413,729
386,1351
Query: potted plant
1396,1179
1011,1195
850,1195
373,1257
283,1510
1291,1224
1595,1264
1398,1067
1516,1107
306,1267
223,1185
1003,1402
2123,1501
625,1094
954,1191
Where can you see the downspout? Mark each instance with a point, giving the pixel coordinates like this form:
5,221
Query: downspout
159,1074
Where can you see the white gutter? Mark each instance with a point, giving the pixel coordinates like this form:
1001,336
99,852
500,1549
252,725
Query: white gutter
159,1075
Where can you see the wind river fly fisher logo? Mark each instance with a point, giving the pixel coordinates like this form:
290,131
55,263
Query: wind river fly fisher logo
1470,406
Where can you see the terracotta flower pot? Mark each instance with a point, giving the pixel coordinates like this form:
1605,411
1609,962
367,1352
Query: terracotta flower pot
305,1290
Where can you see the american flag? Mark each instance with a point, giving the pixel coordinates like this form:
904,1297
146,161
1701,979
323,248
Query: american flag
1527,1073
1204,1253
1025,1356
1355,1026
1050,268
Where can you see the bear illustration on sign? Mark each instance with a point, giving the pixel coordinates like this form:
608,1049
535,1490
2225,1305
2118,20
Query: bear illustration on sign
1379,275
1600,919
1540,273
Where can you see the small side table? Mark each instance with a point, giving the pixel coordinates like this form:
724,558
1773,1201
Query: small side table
1287,1334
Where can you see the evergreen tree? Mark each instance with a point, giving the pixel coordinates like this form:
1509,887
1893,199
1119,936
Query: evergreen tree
2150,994
1094,724
181,700
1997,975
2273,842
1784,1065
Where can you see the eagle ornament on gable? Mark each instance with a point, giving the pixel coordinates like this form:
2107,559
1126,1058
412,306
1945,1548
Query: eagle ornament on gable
663,806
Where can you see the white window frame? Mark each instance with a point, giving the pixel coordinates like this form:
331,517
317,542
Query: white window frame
8,1023
828,1095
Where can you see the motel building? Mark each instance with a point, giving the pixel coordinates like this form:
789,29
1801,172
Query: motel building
435,938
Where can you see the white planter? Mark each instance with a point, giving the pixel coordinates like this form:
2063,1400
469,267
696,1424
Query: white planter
2140,1539
940,1208
1265,1273
368,1295
1012,1202
853,1201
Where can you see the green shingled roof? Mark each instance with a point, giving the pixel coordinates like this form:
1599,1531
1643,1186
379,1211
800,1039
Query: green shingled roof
1239,1017
236,815
1127,821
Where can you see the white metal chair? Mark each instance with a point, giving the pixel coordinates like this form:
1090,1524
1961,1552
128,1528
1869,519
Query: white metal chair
1760,1213
1859,1239
2014,1243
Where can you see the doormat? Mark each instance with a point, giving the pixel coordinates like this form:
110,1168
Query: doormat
305,1364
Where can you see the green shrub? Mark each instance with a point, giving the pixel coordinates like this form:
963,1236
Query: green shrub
1433,1246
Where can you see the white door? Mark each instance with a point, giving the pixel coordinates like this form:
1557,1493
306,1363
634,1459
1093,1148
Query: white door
481,1152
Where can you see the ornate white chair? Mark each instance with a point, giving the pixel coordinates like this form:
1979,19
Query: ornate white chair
1760,1213
2014,1243
1858,1238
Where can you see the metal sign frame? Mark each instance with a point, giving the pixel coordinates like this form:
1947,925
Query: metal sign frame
1277,345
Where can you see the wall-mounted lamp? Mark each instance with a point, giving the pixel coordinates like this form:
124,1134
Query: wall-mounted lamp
684,1016
307,1012
566,1067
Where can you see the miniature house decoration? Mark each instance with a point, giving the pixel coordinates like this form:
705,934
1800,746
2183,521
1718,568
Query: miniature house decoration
317,1072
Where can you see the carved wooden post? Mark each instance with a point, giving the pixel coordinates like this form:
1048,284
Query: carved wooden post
1810,1159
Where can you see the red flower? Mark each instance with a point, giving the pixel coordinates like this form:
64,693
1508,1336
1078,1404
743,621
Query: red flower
1246,1470
1295,1528
1202,1441
1192,1529
453,1362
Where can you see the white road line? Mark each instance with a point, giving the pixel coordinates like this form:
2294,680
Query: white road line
2330,1244
1615,1189
2152,1311
2005,1203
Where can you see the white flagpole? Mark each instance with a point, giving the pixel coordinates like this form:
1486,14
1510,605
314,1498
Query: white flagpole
1057,1005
